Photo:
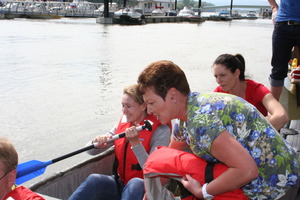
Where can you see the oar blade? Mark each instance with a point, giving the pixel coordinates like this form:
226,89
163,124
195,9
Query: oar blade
31,169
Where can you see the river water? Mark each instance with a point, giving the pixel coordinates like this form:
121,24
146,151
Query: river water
61,81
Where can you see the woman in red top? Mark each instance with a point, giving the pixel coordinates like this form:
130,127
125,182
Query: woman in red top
229,71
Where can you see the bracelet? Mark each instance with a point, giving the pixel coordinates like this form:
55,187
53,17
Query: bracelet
206,196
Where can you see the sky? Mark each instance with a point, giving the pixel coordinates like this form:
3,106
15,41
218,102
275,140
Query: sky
238,2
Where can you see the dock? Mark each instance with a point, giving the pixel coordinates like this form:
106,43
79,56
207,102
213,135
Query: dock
154,19
161,19
294,137
289,100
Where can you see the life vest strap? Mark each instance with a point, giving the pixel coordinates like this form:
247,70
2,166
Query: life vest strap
183,191
209,172
136,167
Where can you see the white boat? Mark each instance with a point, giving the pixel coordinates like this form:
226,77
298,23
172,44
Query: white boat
16,9
158,12
186,12
129,16
251,15
41,11
225,16
112,7
79,8
49,9
132,12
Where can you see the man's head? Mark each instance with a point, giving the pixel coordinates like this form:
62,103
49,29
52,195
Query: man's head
8,165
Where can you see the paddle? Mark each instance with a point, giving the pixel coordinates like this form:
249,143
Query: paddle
31,169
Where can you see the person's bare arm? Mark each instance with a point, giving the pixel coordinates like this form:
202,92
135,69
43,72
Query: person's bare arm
180,145
274,7
273,4
277,115
242,167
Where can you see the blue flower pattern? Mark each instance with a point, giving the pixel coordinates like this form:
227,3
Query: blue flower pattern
211,113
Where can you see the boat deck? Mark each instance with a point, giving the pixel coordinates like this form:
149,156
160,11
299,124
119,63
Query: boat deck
289,100
62,184
294,139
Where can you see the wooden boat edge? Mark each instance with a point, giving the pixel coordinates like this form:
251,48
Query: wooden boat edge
62,184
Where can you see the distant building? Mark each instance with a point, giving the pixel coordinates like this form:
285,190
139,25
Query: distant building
148,6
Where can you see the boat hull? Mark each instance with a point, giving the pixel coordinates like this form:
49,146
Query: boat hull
62,184
128,20
43,16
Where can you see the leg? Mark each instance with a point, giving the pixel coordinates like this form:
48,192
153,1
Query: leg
96,187
276,91
133,190
282,44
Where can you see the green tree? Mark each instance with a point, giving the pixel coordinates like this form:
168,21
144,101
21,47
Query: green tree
191,3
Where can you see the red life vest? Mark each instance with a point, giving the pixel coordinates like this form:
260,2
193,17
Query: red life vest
128,165
22,193
172,163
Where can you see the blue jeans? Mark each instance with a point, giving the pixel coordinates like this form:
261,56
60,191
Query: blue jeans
104,187
284,38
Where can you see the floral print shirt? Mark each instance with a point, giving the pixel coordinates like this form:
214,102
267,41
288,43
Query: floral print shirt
211,113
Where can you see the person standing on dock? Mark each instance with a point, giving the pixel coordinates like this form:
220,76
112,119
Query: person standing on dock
229,71
8,173
131,153
286,35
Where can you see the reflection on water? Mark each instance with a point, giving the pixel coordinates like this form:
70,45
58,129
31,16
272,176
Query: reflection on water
62,80
104,76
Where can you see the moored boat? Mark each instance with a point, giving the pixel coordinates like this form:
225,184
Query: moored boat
129,16
251,15
158,12
128,20
49,10
225,16
188,14
6,16
112,7
43,16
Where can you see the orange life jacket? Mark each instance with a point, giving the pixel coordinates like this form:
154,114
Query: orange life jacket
23,193
172,163
128,165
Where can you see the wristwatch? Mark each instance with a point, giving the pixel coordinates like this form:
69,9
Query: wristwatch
206,196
